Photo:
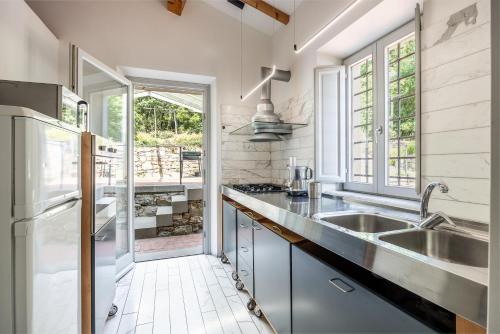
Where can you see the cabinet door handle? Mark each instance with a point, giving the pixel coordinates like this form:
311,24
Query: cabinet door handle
276,229
244,272
341,285
256,228
245,249
243,225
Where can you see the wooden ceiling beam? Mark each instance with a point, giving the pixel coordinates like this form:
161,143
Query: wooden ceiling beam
269,10
176,6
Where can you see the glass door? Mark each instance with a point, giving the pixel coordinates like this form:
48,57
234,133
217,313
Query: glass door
109,98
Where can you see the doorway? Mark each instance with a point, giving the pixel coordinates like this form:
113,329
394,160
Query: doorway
170,141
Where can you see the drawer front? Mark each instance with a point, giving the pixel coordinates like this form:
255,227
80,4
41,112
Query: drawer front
244,228
272,277
229,233
245,273
245,251
325,300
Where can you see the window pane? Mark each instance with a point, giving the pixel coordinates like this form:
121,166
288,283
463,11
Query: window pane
400,155
407,66
361,103
407,46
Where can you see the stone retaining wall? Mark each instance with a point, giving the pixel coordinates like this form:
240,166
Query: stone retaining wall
160,161
147,203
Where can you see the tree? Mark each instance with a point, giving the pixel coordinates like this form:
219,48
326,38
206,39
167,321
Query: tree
158,122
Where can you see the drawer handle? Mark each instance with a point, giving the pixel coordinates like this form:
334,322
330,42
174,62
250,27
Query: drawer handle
243,225
277,229
341,285
245,249
244,272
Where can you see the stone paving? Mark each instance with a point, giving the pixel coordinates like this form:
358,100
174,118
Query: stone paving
169,243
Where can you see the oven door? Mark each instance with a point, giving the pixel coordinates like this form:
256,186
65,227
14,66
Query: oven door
105,174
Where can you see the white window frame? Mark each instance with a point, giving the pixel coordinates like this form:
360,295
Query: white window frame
380,109
354,59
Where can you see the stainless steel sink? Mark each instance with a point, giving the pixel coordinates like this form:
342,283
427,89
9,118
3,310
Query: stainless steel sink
443,245
367,223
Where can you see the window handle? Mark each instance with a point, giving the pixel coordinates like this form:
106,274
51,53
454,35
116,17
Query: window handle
379,130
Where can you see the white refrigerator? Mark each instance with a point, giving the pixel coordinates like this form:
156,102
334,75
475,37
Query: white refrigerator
40,212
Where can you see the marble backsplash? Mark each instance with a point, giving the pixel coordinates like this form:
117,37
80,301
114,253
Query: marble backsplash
242,161
300,144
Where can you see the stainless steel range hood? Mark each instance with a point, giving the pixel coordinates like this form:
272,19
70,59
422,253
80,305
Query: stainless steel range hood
266,125
265,108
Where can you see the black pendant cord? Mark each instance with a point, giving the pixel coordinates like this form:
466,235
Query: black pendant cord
294,26
241,54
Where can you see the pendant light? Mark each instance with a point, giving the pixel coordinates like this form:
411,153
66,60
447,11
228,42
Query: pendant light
298,50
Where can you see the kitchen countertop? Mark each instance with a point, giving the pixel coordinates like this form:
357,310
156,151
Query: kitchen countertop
458,288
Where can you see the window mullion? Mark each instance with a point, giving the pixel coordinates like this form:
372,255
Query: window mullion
380,112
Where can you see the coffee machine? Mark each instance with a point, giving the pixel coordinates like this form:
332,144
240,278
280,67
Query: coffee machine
298,177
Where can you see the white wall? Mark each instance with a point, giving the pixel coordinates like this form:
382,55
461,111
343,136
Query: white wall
455,103
29,50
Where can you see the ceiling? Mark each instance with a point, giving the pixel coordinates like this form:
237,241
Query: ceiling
376,23
254,18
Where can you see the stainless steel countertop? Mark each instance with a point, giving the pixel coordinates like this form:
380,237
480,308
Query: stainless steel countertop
458,288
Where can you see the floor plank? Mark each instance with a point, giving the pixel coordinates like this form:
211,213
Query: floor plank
127,323
162,313
144,329
111,326
212,323
134,295
189,295
193,312
147,305
178,321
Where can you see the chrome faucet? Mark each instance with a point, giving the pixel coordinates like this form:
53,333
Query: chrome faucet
437,218
426,195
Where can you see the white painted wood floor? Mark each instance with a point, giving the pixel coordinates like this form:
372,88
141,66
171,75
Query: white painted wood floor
194,295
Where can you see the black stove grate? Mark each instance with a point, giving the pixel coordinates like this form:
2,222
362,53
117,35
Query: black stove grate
258,188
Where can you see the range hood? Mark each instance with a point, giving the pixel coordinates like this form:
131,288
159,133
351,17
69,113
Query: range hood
266,125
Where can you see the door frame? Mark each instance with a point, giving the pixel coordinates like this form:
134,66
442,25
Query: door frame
126,262
204,89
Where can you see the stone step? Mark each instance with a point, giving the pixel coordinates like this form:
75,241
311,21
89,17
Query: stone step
194,193
164,216
179,203
145,227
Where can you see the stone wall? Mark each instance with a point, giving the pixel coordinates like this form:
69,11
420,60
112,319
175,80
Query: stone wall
146,205
161,162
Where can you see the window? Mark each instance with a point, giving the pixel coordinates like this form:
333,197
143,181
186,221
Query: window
381,123
361,101
400,69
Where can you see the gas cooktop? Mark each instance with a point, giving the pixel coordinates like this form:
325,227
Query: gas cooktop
258,188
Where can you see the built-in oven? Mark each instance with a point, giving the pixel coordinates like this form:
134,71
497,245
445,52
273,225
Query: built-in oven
107,166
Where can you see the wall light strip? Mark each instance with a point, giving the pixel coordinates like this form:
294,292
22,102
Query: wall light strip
266,79
325,28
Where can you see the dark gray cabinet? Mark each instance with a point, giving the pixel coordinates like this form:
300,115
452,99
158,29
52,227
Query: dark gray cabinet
229,243
245,251
327,301
272,277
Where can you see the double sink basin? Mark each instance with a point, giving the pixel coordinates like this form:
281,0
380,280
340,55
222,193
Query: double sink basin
438,244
